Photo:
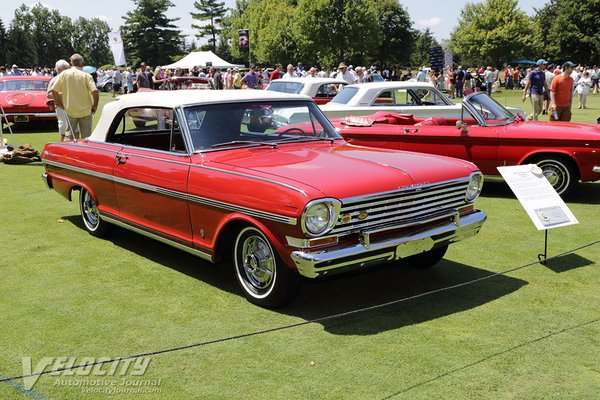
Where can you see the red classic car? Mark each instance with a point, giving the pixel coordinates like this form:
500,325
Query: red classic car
24,99
490,136
225,174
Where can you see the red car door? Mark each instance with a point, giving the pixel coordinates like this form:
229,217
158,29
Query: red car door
475,143
151,188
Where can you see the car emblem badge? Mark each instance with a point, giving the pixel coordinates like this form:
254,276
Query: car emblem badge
363,215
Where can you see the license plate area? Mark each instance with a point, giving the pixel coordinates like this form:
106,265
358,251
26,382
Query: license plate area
414,247
21,118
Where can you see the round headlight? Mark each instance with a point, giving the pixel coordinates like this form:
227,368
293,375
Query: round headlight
319,217
474,187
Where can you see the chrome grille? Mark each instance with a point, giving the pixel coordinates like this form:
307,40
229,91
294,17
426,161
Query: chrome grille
402,207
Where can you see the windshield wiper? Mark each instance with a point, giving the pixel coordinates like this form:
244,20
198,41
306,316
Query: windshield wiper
305,139
243,142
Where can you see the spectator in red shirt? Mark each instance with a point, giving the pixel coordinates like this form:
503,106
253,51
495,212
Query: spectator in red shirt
276,74
561,94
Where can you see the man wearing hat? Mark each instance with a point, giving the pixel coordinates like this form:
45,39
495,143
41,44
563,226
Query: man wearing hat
15,71
561,94
536,82
347,75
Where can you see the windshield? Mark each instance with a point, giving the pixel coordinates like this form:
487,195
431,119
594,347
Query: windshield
221,126
286,87
489,110
29,85
345,95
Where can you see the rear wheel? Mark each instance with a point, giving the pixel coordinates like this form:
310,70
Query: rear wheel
90,215
427,259
262,275
559,171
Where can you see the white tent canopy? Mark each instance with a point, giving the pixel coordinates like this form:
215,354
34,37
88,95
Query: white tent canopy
200,58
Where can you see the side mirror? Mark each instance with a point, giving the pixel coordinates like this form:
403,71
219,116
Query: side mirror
461,126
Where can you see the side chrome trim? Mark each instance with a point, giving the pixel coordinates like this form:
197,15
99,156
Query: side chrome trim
244,210
596,169
78,169
160,238
180,195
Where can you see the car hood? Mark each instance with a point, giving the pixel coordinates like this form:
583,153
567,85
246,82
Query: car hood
342,170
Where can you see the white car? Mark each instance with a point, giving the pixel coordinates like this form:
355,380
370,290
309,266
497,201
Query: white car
421,99
321,90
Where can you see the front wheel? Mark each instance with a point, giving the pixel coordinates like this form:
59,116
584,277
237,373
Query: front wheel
90,215
427,259
560,172
262,275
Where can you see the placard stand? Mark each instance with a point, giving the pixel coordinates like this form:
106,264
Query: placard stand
542,203
543,257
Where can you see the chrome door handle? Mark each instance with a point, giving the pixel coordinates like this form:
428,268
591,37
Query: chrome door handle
121,159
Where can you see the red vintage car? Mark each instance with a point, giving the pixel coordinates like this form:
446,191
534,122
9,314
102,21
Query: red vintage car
227,174
490,136
24,99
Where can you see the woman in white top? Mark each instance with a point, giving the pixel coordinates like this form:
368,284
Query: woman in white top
583,88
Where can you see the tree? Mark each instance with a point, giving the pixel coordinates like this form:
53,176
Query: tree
20,43
148,35
493,32
3,43
569,30
90,39
395,35
52,33
331,31
424,41
212,10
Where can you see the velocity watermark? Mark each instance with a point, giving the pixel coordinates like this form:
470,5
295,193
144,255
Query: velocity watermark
95,375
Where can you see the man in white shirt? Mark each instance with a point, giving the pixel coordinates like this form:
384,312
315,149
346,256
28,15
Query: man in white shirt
61,115
347,75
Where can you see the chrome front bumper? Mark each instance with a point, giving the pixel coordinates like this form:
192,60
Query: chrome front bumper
313,264
33,114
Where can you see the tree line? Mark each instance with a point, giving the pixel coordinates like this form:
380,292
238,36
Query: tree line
324,32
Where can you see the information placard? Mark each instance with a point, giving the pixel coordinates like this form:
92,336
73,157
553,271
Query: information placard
544,206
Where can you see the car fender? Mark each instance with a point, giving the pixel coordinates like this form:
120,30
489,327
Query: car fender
549,151
228,228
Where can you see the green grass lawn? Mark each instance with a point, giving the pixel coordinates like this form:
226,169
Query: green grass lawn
530,334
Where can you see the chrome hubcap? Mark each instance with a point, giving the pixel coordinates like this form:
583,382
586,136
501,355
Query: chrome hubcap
90,211
556,174
259,262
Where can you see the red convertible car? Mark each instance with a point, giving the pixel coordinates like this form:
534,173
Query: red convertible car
23,99
489,136
225,174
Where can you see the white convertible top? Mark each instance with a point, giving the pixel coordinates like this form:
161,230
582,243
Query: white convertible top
178,98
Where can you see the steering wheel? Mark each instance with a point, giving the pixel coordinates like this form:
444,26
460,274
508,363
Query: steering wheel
293,129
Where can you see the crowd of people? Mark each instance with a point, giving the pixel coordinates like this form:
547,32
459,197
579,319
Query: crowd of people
550,88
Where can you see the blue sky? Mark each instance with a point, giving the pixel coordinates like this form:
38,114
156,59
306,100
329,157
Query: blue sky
439,16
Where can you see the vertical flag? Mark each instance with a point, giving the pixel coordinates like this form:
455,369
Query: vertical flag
244,37
116,46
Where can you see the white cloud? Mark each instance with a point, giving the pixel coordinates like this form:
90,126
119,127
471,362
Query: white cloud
429,22
104,18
